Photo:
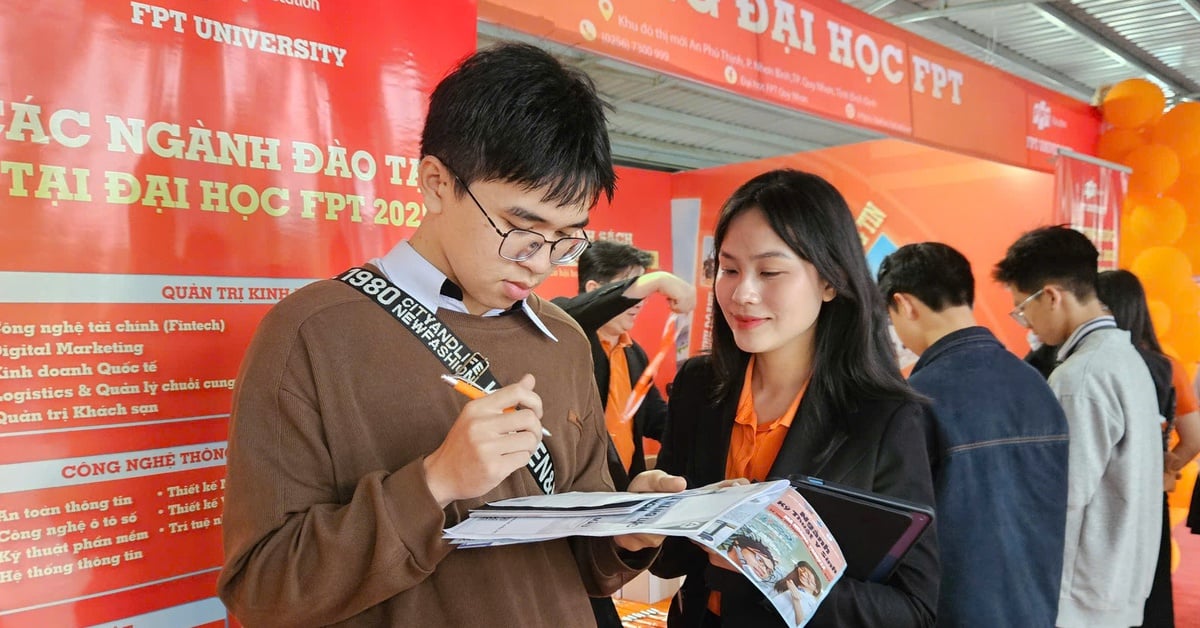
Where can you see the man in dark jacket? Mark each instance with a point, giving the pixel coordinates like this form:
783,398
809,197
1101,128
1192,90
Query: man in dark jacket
1000,447
612,285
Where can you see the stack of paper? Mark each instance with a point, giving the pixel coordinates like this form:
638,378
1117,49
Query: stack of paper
767,531
545,517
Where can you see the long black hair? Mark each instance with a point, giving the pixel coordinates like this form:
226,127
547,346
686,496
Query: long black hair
854,357
1122,293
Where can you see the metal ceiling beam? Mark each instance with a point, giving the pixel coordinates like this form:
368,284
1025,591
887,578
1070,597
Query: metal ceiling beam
655,84
708,125
933,14
1191,6
989,48
878,6
1083,24
629,148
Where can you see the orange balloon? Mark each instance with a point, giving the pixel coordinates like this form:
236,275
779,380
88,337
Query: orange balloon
1155,168
1115,143
1138,223
1158,222
1160,316
1129,245
1185,338
1189,243
1162,269
1184,302
1190,168
1179,129
1187,191
1133,103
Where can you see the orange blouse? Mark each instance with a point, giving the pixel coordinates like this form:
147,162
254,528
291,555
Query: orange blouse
753,445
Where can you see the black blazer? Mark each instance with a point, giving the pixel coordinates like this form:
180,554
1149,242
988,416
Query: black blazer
592,310
886,453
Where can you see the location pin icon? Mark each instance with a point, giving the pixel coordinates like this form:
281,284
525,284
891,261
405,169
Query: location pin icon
606,9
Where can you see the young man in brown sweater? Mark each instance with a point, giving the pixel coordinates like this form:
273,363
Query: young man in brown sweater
348,457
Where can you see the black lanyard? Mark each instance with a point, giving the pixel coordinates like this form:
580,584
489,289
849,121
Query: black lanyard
444,345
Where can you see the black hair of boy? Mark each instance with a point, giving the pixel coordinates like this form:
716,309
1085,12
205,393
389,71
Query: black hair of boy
1058,254
487,122
935,273
605,259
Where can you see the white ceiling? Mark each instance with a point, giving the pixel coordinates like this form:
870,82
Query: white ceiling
1074,47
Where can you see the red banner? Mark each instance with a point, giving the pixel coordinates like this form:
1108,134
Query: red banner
823,57
1088,197
170,170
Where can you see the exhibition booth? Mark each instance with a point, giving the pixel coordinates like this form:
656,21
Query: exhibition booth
172,169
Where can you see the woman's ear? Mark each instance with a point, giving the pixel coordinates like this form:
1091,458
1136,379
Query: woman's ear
828,293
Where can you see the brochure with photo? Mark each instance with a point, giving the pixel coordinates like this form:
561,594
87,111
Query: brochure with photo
788,553
767,531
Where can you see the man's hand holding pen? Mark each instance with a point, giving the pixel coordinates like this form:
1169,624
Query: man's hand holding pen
492,437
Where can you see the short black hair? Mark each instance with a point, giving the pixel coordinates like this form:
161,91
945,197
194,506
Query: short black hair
935,273
516,114
1056,254
605,259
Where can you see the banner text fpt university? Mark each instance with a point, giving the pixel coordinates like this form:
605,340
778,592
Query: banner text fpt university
169,170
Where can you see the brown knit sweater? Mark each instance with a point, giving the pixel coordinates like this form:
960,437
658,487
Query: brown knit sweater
328,519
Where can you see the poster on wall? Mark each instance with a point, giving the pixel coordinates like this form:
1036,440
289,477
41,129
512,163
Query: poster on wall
899,193
1088,195
168,171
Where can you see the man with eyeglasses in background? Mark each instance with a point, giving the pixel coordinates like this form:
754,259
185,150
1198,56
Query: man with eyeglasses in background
348,457
1114,511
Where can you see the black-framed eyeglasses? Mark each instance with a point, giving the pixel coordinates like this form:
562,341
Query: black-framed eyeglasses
518,245
1018,313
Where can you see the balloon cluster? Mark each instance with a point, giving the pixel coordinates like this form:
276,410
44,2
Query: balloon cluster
1160,221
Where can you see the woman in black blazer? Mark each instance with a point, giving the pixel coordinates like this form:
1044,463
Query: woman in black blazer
796,305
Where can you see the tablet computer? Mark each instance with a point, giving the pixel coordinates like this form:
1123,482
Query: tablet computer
874,531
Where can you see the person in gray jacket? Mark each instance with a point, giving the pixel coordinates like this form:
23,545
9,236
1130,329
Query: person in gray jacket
1115,453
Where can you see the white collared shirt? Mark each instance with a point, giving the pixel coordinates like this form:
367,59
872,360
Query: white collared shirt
414,274
1076,337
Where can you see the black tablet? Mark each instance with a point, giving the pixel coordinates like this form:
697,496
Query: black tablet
873,530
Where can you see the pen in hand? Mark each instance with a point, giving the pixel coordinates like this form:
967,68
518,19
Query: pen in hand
471,391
